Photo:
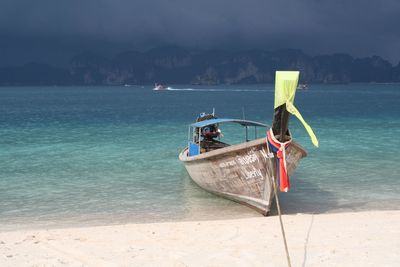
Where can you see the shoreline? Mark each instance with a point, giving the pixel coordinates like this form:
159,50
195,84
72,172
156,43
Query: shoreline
240,212
237,213
364,238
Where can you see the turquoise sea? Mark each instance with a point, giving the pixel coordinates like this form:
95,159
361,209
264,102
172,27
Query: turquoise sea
103,155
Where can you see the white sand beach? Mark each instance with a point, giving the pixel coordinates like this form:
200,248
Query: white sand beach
341,239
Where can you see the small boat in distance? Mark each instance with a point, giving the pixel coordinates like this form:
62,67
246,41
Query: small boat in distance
160,87
246,172
302,86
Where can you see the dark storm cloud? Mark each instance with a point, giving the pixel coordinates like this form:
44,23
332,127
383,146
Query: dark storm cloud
357,27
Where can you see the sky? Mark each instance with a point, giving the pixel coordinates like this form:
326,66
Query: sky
55,30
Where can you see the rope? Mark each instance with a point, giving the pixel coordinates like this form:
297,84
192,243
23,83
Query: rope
281,222
279,210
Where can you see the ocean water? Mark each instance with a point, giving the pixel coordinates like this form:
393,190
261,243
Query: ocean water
104,155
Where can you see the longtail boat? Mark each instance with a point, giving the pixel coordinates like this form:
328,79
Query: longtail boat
245,172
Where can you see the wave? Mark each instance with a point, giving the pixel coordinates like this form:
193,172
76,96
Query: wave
216,90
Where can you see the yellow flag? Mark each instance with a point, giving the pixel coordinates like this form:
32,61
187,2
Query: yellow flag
285,90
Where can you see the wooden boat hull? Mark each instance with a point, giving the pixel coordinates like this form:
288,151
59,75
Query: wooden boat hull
242,173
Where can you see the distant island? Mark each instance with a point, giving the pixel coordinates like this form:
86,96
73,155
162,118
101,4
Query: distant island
176,65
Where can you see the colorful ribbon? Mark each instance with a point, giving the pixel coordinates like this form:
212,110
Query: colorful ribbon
280,150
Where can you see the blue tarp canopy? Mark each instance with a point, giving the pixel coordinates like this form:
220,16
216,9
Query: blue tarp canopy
201,124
